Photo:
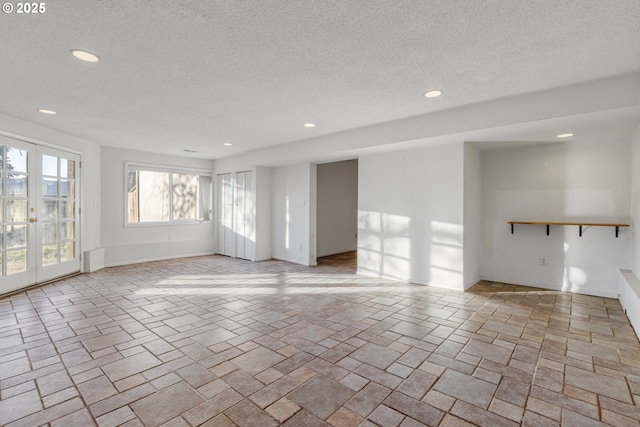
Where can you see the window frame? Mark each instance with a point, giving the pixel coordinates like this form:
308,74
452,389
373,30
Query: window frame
138,166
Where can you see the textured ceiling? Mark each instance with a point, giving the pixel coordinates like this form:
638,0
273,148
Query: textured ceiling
191,75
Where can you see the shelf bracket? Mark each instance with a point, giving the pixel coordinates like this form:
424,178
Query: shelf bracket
580,234
617,230
511,228
547,229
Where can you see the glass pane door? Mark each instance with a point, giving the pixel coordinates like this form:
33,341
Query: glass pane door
57,230
39,206
16,234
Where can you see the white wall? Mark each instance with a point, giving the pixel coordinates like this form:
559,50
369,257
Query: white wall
337,213
313,215
293,213
580,180
90,173
629,282
263,213
262,188
410,216
126,245
472,214
635,201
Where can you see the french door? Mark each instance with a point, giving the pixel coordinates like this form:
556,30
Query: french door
39,206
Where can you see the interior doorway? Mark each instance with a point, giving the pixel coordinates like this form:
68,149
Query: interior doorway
337,208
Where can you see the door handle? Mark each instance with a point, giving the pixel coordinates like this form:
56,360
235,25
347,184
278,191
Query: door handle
33,219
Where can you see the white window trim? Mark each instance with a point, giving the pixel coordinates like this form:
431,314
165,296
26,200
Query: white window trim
169,169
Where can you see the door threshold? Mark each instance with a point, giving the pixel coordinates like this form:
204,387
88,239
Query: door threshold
37,285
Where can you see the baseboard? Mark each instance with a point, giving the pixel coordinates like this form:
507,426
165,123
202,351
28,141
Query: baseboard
472,282
336,253
156,251
161,258
452,287
586,291
292,261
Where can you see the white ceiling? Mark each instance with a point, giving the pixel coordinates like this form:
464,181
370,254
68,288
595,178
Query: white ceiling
182,74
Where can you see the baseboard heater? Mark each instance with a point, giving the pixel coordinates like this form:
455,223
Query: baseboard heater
93,260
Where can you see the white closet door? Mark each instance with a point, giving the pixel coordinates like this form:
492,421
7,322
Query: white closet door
236,214
249,216
226,240
239,205
244,215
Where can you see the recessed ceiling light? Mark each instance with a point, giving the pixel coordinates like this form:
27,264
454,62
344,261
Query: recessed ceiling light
84,55
309,125
564,135
433,93
227,144
45,111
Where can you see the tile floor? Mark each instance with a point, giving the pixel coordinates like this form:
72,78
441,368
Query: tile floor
214,341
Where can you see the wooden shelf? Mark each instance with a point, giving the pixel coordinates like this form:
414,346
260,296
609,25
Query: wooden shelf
579,224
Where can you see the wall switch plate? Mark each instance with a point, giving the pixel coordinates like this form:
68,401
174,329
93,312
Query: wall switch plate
544,261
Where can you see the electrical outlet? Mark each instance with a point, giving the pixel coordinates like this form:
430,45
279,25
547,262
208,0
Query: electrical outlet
544,261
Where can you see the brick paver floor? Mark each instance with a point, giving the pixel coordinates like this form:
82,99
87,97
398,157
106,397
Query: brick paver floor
215,341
